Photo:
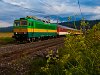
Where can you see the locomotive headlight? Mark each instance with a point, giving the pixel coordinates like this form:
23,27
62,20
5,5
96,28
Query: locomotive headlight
16,33
25,32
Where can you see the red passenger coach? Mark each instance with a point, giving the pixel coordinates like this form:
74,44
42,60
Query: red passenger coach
62,30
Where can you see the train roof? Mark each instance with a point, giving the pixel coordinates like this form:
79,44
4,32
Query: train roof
66,27
33,18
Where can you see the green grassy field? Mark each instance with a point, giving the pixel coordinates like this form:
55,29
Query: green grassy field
6,38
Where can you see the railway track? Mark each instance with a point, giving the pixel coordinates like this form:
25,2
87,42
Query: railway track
15,52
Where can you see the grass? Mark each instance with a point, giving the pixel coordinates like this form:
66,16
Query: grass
6,38
6,34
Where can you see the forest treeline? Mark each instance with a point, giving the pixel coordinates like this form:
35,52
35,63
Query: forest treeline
72,24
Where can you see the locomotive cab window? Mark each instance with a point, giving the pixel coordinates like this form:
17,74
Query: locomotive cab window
17,23
30,24
24,23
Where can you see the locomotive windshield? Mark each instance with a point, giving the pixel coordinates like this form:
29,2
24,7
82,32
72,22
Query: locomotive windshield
17,23
23,22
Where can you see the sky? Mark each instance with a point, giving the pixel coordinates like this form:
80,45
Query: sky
13,9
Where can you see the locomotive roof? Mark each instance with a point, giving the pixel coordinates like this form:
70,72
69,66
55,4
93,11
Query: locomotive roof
33,18
40,20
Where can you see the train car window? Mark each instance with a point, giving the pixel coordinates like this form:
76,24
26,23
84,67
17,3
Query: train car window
17,23
29,24
23,22
32,24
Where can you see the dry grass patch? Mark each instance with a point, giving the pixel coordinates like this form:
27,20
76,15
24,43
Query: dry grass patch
6,34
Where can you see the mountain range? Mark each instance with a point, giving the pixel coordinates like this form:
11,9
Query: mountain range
6,29
78,23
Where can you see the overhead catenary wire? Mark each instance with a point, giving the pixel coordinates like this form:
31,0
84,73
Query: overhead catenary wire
30,10
41,12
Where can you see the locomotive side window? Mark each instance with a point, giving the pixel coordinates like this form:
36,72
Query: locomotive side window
23,22
29,23
17,23
32,24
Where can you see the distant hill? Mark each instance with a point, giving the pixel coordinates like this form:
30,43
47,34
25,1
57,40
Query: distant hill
6,29
78,23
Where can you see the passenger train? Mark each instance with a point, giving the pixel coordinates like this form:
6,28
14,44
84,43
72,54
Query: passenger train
31,28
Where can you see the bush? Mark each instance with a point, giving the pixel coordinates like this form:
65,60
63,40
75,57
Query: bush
81,56
35,66
82,53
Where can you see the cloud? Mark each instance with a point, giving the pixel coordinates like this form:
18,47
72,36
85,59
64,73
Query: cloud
97,10
4,24
12,9
95,17
91,10
54,7
21,3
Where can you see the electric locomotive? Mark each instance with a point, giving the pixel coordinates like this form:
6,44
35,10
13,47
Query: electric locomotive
31,28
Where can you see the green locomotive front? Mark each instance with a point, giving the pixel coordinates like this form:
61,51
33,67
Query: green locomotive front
30,28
